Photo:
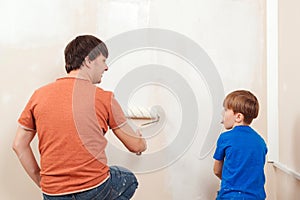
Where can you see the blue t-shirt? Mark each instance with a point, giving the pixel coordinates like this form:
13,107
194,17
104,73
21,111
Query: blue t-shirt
243,151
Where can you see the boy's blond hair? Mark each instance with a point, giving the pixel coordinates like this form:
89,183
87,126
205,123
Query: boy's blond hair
242,101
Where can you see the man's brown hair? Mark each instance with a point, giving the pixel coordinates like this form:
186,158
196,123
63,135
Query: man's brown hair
80,47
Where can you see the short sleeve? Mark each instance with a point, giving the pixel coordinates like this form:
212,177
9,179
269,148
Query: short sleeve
26,119
116,117
220,150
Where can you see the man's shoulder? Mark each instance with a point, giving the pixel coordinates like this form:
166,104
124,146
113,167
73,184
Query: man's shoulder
102,91
44,87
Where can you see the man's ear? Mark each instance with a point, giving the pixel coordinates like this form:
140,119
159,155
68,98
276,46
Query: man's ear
239,117
87,61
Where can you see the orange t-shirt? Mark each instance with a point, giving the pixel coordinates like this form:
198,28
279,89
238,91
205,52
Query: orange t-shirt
71,117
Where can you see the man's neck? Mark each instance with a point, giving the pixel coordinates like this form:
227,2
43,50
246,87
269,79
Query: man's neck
78,73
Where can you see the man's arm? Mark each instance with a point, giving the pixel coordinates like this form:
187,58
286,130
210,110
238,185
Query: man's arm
218,165
22,148
132,141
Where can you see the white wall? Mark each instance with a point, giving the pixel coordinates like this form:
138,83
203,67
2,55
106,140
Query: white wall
232,33
288,107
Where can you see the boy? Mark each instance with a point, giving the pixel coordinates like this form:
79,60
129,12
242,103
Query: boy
240,153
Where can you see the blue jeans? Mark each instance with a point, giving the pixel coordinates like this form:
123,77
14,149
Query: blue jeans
120,186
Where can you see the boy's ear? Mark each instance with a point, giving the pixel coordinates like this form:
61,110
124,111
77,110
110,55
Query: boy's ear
239,117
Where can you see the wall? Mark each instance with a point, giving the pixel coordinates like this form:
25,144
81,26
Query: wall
231,33
289,107
288,91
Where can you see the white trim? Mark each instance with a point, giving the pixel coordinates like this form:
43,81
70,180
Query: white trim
287,170
272,80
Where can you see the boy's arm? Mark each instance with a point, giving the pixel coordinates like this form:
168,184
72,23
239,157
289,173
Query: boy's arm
218,166
21,146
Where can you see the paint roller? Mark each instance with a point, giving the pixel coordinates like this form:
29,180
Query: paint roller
141,113
155,115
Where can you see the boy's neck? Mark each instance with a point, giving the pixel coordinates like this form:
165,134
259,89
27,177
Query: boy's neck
240,124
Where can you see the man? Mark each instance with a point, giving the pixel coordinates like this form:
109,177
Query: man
71,116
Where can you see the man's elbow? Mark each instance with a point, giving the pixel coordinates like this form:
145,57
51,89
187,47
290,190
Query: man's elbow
139,147
15,145
16,148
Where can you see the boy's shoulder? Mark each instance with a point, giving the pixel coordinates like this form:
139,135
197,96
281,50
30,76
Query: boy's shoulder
226,135
227,132
237,129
